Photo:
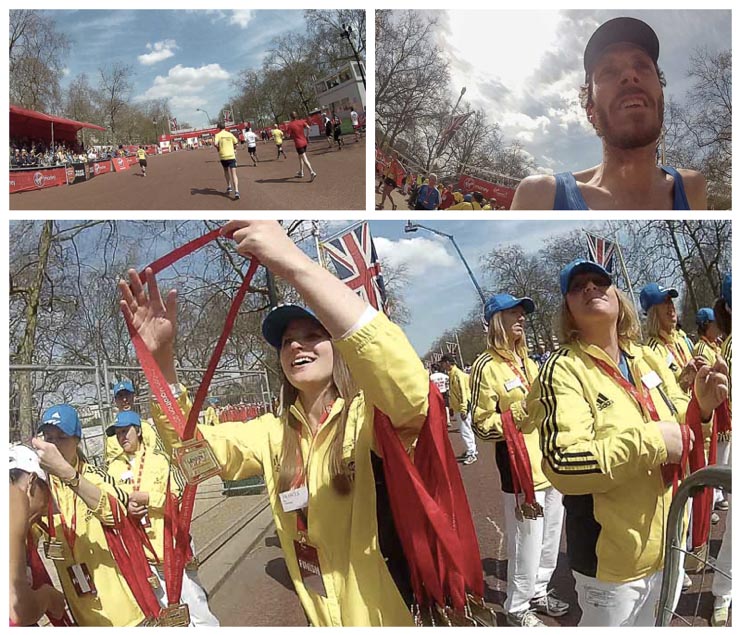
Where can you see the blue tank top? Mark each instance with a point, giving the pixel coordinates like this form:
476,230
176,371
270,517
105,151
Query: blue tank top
568,196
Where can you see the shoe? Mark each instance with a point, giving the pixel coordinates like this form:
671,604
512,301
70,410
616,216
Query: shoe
722,505
236,195
714,518
299,175
229,190
393,206
524,618
720,611
313,176
686,583
471,458
550,605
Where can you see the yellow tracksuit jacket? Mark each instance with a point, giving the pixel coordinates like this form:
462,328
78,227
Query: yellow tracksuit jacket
114,605
707,350
210,418
725,352
604,454
149,434
459,390
343,529
492,393
674,348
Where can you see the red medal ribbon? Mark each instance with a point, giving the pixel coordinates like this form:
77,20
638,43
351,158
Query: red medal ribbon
519,459
175,555
644,400
40,577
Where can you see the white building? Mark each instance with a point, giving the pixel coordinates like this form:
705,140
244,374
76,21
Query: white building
342,91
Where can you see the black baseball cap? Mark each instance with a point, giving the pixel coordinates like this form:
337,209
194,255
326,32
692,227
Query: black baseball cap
617,30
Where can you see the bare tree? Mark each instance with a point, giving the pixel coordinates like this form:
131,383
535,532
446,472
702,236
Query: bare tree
115,88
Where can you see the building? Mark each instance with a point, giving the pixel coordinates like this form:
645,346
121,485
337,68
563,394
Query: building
342,91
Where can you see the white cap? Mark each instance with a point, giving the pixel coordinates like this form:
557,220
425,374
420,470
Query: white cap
24,458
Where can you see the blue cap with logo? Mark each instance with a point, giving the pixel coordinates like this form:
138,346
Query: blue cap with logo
123,385
725,289
704,316
63,417
504,301
124,419
580,265
653,293
276,322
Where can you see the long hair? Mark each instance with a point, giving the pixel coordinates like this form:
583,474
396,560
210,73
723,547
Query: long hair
653,323
291,463
627,321
722,316
497,339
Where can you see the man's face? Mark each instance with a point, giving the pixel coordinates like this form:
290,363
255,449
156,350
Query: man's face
124,400
627,108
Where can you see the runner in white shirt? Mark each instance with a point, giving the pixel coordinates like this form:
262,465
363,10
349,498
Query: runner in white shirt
355,118
442,382
251,139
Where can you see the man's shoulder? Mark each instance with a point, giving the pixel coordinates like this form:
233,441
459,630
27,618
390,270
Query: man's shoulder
537,191
695,188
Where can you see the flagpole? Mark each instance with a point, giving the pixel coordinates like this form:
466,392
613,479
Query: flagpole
317,243
625,273
458,344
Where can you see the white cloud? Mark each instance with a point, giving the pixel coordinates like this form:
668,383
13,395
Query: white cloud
158,51
241,17
184,83
418,255
65,71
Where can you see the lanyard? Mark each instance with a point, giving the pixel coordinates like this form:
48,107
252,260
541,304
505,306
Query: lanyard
644,401
676,351
516,371
137,483
70,533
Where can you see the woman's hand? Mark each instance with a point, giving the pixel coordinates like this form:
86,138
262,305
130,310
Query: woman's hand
711,387
138,502
154,319
671,431
689,372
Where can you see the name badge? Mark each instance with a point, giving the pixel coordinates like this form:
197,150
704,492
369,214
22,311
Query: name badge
670,359
80,576
651,380
308,565
294,499
127,476
512,384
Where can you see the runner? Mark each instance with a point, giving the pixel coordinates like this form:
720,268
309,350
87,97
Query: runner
609,413
297,127
392,170
278,137
141,154
442,382
251,139
28,501
341,358
142,472
623,98
460,403
355,118
226,144
500,381
328,129
337,130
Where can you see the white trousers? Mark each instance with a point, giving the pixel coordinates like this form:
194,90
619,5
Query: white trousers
532,548
721,585
618,603
192,594
724,456
464,421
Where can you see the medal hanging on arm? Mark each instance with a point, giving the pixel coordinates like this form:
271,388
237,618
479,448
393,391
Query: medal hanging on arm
53,549
193,455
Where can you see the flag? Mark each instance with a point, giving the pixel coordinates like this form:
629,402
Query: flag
173,124
456,121
227,116
355,260
451,346
601,251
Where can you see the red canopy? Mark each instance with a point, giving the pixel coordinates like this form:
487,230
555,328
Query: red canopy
38,125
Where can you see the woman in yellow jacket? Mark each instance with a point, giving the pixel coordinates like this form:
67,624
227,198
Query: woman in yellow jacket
610,411
500,381
708,335
341,360
142,471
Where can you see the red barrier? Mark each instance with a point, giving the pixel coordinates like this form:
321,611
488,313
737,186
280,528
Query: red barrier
132,160
27,180
504,195
120,164
100,167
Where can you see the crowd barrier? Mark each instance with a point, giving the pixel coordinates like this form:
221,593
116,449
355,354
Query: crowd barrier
37,178
502,194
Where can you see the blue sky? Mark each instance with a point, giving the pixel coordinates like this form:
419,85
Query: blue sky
189,56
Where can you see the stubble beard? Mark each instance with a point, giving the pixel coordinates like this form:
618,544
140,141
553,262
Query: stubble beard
637,137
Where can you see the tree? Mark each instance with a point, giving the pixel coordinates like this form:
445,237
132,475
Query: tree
329,49
115,89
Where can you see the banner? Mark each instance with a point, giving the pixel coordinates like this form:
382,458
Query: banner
27,180
100,167
120,163
76,173
502,194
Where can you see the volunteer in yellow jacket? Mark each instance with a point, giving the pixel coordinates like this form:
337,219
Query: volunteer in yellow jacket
226,143
124,396
708,335
96,591
341,358
459,395
596,400
500,381
665,337
142,471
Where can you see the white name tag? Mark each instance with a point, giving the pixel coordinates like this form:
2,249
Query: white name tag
670,359
651,380
81,578
512,384
295,499
127,476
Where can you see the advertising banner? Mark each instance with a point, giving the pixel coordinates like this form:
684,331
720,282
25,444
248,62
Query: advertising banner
120,163
36,179
502,194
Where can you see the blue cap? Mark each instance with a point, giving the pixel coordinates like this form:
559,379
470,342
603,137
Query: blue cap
124,419
704,316
123,385
467,197
653,293
504,301
276,322
63,417
725,289
213,400
580,265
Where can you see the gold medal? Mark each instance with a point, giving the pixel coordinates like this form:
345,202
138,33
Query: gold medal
196,460
481,613
174,615
53,549
154,581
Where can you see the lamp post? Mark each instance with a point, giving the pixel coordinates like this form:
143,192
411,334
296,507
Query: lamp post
444,140
347,34
411,227
205,113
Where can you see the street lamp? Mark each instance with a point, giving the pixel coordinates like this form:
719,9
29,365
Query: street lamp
205,113
411,227
347,34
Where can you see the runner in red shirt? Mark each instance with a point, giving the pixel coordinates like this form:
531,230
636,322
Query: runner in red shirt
296,128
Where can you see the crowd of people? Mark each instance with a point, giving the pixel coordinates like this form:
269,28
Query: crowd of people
32,153
589,441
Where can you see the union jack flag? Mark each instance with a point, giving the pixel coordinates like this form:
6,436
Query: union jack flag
355,260
601,251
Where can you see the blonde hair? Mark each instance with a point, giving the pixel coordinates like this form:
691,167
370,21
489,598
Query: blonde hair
653,323
291,461
497,338
627,322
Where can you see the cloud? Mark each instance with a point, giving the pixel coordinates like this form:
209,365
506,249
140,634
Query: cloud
158,51
241,17
418,255
66,71
185,84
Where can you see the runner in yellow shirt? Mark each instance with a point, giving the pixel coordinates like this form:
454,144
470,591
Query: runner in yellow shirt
278,136
226,144
141,154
